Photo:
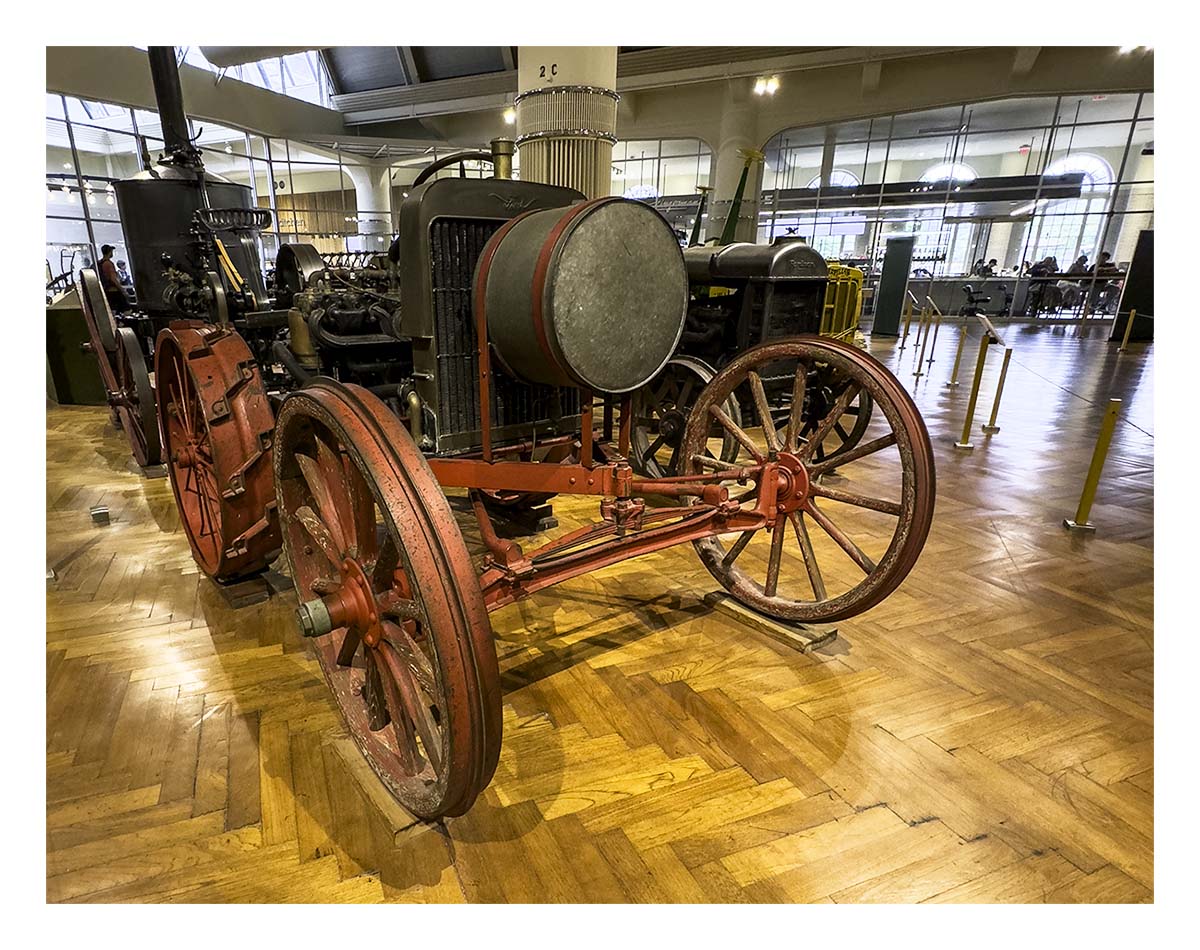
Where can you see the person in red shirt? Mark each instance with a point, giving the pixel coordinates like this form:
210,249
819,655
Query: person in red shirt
110,280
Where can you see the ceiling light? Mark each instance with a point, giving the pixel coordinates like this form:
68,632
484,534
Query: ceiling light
510,116
109,199
1126,49
772,85
67,165
228,149
760,86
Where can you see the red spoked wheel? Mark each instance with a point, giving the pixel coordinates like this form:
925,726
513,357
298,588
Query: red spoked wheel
217,428
390,596
841,542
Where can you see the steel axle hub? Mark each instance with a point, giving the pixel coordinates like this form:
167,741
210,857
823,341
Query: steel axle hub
352,605
793,483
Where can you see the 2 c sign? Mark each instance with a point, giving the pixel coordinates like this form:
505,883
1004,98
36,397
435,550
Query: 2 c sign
548,72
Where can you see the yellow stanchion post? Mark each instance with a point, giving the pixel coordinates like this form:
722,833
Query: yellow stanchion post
936,320
1080,521
924,341
907,322
965,442
991,424
962,339
1128,329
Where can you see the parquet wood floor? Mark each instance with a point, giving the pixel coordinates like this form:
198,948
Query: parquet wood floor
984,735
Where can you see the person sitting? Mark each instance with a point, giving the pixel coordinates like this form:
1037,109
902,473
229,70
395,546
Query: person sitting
110,281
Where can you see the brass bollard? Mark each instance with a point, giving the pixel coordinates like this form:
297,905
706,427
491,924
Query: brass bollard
937,323
965,441
924,339
962,339
1080,522
991,425
907,321
1128,329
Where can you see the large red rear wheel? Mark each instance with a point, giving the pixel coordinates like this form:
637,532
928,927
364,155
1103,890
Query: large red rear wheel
217,428
390,596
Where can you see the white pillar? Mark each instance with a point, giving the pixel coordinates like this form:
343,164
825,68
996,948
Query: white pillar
373,196
566,109
739,130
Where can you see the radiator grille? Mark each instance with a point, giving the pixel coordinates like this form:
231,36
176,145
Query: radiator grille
455,246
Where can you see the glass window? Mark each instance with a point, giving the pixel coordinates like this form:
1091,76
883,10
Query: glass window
838,178
949,171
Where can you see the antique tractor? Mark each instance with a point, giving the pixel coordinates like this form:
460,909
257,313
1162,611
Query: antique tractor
503,363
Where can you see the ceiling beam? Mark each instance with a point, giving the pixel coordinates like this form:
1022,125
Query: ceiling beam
1023,59
872,70
506,54
409,64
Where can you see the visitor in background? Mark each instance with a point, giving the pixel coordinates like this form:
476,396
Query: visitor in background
1080,267
110,281
123,274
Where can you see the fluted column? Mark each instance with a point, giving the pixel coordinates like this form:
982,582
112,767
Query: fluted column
739,131
373,196
566,109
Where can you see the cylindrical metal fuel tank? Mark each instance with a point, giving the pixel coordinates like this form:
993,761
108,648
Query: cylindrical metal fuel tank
593,295
156,208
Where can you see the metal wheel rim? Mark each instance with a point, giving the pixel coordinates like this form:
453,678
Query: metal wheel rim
646,401
137,410
918,482
216,405
420,535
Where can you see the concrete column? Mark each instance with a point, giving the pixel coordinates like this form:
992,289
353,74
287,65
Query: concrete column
566,109
373,195
739,130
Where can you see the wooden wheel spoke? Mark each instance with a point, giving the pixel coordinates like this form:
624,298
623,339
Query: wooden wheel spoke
842,433
856,554
384,565
737,432
402,725
317,531
810,557
327,502
791,436
831,418
738,547
859,501
854,454
413,658
777,537
764,411
349,646
411,706
373,694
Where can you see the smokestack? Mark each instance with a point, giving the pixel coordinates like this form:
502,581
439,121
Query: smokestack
164,72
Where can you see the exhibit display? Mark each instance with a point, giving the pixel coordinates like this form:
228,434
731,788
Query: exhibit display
326,423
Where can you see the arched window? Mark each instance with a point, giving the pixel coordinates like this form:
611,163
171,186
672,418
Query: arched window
838,178
1097,173
946,171
1069,227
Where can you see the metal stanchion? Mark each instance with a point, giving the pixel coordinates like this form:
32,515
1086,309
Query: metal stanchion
924,342
907,321
1080,522
962,339
965,441
991,425
937,318
1128,329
